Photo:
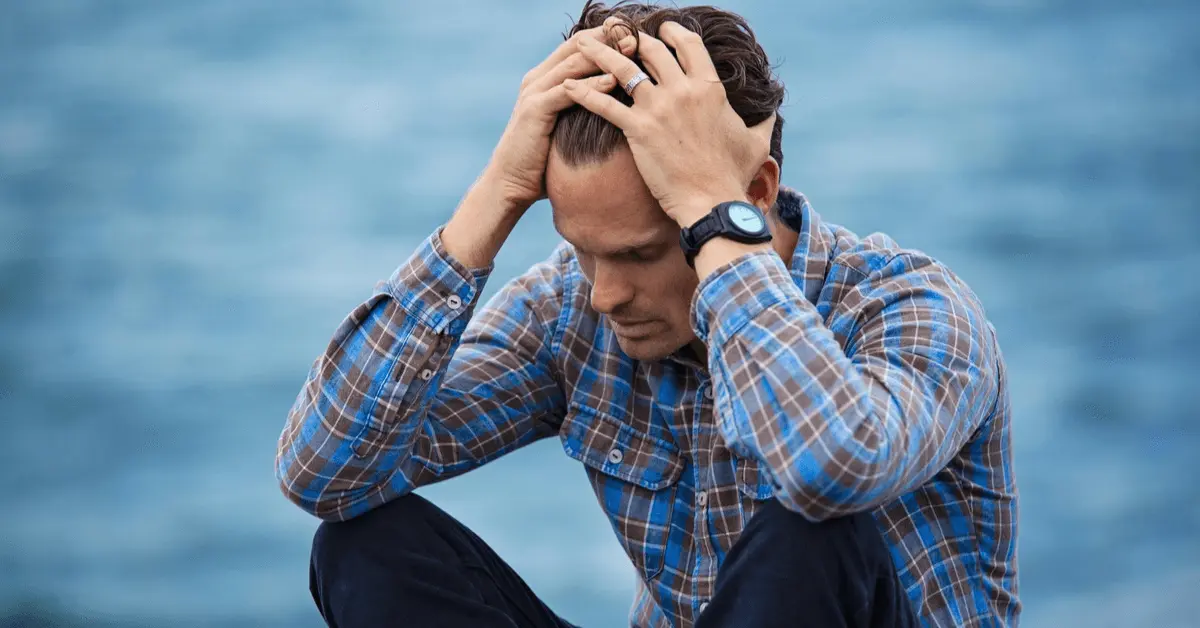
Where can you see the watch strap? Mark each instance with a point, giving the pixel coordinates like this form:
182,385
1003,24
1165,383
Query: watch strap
700,232
713,225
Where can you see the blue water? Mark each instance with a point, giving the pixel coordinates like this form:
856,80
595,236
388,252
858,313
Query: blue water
192,195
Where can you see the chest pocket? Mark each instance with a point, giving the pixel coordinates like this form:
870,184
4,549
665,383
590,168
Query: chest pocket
635,477
754,480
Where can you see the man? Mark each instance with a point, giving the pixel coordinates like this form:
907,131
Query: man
786,424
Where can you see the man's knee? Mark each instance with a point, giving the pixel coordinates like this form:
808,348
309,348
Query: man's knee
402,526
776,531
788,571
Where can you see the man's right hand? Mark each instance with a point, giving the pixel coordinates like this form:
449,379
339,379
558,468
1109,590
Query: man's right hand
514,179
518,163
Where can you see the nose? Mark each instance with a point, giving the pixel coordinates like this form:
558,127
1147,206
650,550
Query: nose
610,289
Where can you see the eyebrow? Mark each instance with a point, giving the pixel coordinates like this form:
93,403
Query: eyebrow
653,240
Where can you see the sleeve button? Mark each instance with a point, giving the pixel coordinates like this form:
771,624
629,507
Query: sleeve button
453,302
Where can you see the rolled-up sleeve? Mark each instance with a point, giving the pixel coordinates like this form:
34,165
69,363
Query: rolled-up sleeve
407,390
852,407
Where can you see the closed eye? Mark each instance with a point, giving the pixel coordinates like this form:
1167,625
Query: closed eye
643,254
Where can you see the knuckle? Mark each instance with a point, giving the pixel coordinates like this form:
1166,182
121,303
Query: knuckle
528,79
689,91
574,40
531,106
705,90
578,62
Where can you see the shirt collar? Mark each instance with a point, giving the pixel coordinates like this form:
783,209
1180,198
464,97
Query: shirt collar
815,246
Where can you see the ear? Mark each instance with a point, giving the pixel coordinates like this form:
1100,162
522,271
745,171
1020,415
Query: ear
764,187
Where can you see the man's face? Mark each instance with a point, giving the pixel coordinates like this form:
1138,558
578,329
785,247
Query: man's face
629,250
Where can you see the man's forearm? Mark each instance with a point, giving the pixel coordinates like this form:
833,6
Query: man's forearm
361,408
481,224
845,433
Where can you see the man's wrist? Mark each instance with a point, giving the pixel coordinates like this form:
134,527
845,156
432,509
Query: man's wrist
480,225
491,187
688,212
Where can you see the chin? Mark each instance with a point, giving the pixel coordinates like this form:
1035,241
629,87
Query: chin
650,348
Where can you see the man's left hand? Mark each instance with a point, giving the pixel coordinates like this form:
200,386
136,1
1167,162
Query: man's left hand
690,146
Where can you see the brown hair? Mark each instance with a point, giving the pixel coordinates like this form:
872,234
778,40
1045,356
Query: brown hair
581,136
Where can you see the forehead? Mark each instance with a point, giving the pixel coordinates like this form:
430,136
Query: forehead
605,207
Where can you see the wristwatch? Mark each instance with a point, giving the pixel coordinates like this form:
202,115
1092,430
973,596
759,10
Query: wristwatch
737,220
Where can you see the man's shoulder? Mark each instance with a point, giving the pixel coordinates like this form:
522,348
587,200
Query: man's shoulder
830,260
876,265
552,288
873,255
877,257
551,277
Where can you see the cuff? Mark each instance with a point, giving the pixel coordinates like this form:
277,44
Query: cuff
735,293
436,288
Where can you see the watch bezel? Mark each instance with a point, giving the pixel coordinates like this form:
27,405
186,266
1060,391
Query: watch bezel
717,223
729,225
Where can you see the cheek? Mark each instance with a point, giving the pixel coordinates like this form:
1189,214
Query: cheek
669,289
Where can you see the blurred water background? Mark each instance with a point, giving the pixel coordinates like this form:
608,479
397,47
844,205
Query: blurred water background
193,194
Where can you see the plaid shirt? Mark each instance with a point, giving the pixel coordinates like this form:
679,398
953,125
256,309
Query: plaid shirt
865,378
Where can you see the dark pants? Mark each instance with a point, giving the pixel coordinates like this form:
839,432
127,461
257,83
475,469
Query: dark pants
408,563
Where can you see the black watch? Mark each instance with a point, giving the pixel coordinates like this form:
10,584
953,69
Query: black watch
737,220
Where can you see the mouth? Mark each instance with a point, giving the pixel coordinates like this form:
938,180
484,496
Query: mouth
635,329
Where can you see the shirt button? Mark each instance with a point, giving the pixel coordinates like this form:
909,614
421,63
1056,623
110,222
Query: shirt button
453,302
616,456
702,498
427,374
703,605
708,392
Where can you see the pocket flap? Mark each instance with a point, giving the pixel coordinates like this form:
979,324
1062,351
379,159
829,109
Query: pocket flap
754,480
616,449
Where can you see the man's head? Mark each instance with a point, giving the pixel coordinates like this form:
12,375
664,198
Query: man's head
627,246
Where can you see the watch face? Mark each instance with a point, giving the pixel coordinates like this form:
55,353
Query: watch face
746,218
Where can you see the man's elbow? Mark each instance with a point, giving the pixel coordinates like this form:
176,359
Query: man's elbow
819,492
312,502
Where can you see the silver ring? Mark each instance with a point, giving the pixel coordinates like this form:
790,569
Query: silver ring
635,81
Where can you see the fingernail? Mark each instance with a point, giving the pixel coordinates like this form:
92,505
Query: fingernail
586,41
626,44
570,84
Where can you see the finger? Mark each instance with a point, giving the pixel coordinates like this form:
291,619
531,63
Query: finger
627,45
577,65
689,47
556,98
564,50
600,104
658,59
574,66
613,63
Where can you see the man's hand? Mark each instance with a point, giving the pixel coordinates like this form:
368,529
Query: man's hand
515,177
691,148
518,163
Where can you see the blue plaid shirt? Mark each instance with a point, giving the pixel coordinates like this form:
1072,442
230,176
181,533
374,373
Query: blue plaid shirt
857,377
